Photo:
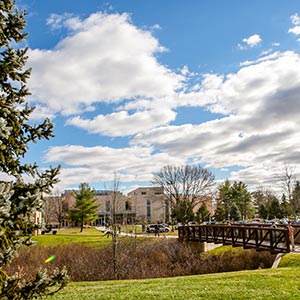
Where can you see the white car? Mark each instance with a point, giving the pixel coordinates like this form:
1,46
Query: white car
162,228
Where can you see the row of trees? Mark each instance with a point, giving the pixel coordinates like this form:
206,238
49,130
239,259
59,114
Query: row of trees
234,202
187,189
270,206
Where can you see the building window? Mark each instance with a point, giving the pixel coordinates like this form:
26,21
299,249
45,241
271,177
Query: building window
167,211
128,206
107,205
148,212
143,193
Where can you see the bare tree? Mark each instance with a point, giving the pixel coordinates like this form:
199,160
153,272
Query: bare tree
116,205
288,180
56,209
184,188
48,212
114,224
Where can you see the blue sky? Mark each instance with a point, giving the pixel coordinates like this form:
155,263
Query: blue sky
132,86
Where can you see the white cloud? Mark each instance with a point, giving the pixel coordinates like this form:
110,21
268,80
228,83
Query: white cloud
295,30
96,164
122,124
262,102
296,22
57,22
272,56
41,113
252,40
156,26
105,59
266,52
295,19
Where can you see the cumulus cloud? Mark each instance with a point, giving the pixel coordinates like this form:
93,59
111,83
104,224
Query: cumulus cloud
251,41
122,124
261,128
66,20
104,59
295,19
41,113
296,22
101,163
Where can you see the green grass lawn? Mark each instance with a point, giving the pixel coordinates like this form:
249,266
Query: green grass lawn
276,284
89,236
221,249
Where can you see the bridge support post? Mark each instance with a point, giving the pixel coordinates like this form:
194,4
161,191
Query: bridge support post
200,246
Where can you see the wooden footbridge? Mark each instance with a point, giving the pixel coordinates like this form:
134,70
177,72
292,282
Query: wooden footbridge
258,236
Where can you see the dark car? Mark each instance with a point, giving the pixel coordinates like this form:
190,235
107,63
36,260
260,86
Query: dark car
162,228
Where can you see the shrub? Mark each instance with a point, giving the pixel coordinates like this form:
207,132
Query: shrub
136,259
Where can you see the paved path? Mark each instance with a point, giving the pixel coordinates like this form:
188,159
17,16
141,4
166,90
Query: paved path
280,255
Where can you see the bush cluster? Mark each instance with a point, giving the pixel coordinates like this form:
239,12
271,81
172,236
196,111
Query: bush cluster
135,260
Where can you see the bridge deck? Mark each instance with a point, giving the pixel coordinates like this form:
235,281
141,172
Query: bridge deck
260,237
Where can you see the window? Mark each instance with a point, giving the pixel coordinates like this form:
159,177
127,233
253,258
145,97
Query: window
107,205
148,212
167,211
128,206
143,193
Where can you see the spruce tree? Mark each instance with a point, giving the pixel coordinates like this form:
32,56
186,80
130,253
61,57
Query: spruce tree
18,198
235,213
86,208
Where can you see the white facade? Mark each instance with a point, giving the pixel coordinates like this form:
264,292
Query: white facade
149,204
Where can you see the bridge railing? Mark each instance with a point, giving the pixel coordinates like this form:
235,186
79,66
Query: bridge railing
260,238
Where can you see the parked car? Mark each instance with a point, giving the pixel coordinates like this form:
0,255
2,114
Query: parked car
295,221
271,221
161,227
241,222
212,222
192,223
267,221
283,221
47,228
255,221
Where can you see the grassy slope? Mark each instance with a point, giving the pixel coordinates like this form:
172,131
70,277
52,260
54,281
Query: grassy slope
282,283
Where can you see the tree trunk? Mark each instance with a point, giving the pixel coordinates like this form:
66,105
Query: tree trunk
81,225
